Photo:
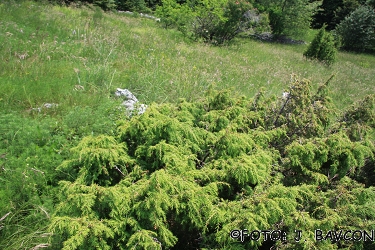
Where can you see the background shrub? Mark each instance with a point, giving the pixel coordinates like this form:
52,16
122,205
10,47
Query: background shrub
357,31
322,47
218,21
212,21
174,15
288,18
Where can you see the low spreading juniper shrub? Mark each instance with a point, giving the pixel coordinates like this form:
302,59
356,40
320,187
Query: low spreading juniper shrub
189,173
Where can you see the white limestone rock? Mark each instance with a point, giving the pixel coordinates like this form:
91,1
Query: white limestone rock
130,102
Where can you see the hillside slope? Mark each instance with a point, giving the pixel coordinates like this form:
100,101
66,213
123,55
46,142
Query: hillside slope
47,50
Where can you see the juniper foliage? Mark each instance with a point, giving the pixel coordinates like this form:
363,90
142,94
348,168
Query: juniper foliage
187,174
322,47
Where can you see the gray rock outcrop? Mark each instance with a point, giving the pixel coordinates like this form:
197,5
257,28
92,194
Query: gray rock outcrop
131,102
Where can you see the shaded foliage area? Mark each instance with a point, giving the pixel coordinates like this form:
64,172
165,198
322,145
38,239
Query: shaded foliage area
185,175
357,30
352,21
332,12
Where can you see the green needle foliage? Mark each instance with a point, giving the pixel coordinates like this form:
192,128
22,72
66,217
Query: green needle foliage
187,174
322,47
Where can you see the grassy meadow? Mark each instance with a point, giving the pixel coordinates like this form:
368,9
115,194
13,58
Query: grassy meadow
47,50
77,57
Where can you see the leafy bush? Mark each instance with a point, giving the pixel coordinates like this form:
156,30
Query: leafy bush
256,21
217,26
322,47
277,21
212,21
289,18
174,15
357,31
